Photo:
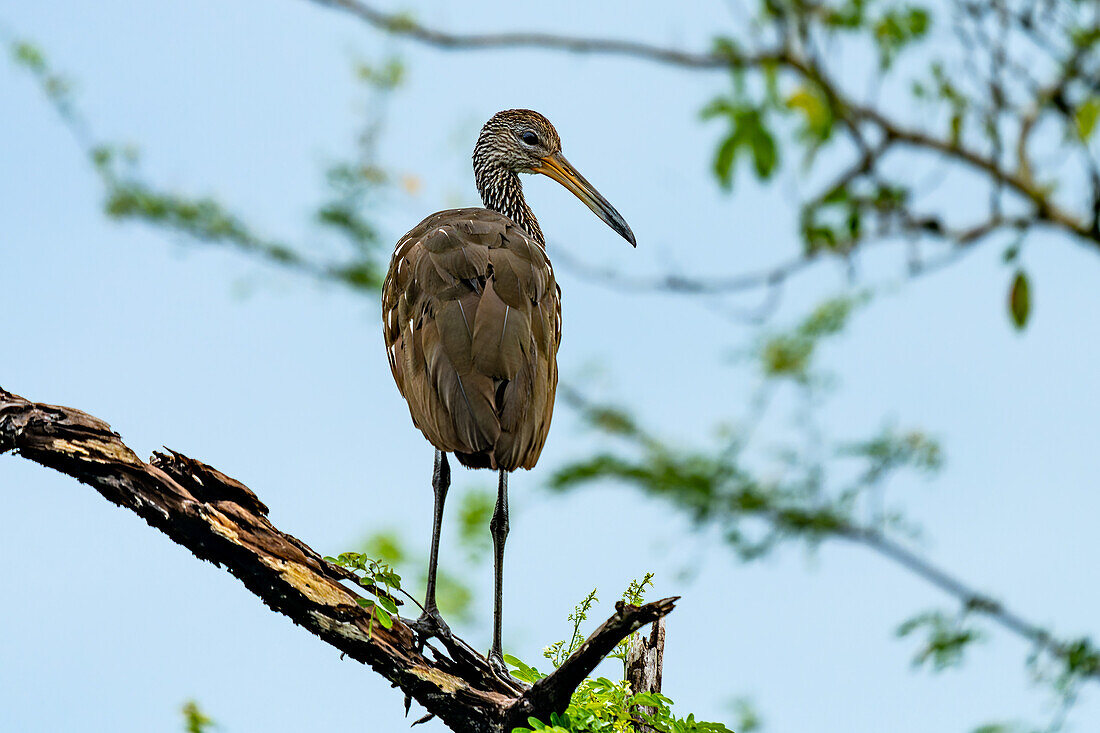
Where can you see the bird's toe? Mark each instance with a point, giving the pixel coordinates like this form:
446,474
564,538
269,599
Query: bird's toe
430,625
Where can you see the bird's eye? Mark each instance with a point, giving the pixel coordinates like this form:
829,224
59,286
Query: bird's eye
529,137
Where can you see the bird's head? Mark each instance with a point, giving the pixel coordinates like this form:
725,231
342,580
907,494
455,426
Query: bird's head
523,141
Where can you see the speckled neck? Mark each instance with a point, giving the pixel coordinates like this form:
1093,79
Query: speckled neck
502,192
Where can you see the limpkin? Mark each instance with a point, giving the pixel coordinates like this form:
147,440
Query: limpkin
472,323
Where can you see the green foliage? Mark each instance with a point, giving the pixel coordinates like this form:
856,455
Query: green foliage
897,28
352,188
748,135
387,551
385,76
837,221
453,594
203,218
890,450
603,706
1066,667
1082,658
757,507
946,638
981,92
810,102
635,596
613,421
559,651
474,514
600,705
194,720
636,590
789,354
1085,117
1019,300
713,490
380,580
781,101
58,88
747,720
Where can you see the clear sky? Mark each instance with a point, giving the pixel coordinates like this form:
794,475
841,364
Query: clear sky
108,626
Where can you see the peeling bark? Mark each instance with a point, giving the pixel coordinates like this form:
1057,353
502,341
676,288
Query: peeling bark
221,520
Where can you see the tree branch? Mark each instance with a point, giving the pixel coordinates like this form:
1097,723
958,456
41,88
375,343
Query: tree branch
221,520
971,599
400,24
848,111
685,284
1079,656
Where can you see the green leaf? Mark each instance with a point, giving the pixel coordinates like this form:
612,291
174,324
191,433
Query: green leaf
765,153
956,127
815,111
383,617
1086,116
1019,300
194,720
30,56
897,28
717,107
724,159
727,48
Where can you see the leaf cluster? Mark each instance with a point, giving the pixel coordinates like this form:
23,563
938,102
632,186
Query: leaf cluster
946,638
601,705
380,580
352,188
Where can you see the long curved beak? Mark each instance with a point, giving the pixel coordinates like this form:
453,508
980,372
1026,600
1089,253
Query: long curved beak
557,167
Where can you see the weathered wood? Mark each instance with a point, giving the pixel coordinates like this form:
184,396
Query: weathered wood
221,520
645,660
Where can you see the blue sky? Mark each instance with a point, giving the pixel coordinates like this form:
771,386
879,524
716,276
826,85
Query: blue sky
283,384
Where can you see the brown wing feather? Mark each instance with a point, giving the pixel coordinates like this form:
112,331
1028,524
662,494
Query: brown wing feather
472,322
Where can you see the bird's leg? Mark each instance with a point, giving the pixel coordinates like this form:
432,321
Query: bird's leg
499,528
430,622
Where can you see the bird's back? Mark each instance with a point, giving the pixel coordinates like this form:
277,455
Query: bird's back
472,323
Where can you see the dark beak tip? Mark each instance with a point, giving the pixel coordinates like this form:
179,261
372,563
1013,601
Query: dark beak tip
627,234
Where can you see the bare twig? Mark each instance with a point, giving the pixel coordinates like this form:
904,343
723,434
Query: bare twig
403,25
683,284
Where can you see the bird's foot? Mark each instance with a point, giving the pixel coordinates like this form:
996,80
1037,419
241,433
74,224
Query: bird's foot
496,663
430,625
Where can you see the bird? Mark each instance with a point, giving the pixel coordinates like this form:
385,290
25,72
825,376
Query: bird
471,317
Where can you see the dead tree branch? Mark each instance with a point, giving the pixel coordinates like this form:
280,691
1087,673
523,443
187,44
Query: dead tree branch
221,520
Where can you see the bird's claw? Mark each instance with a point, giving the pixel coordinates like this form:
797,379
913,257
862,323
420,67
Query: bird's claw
430,625
496,663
